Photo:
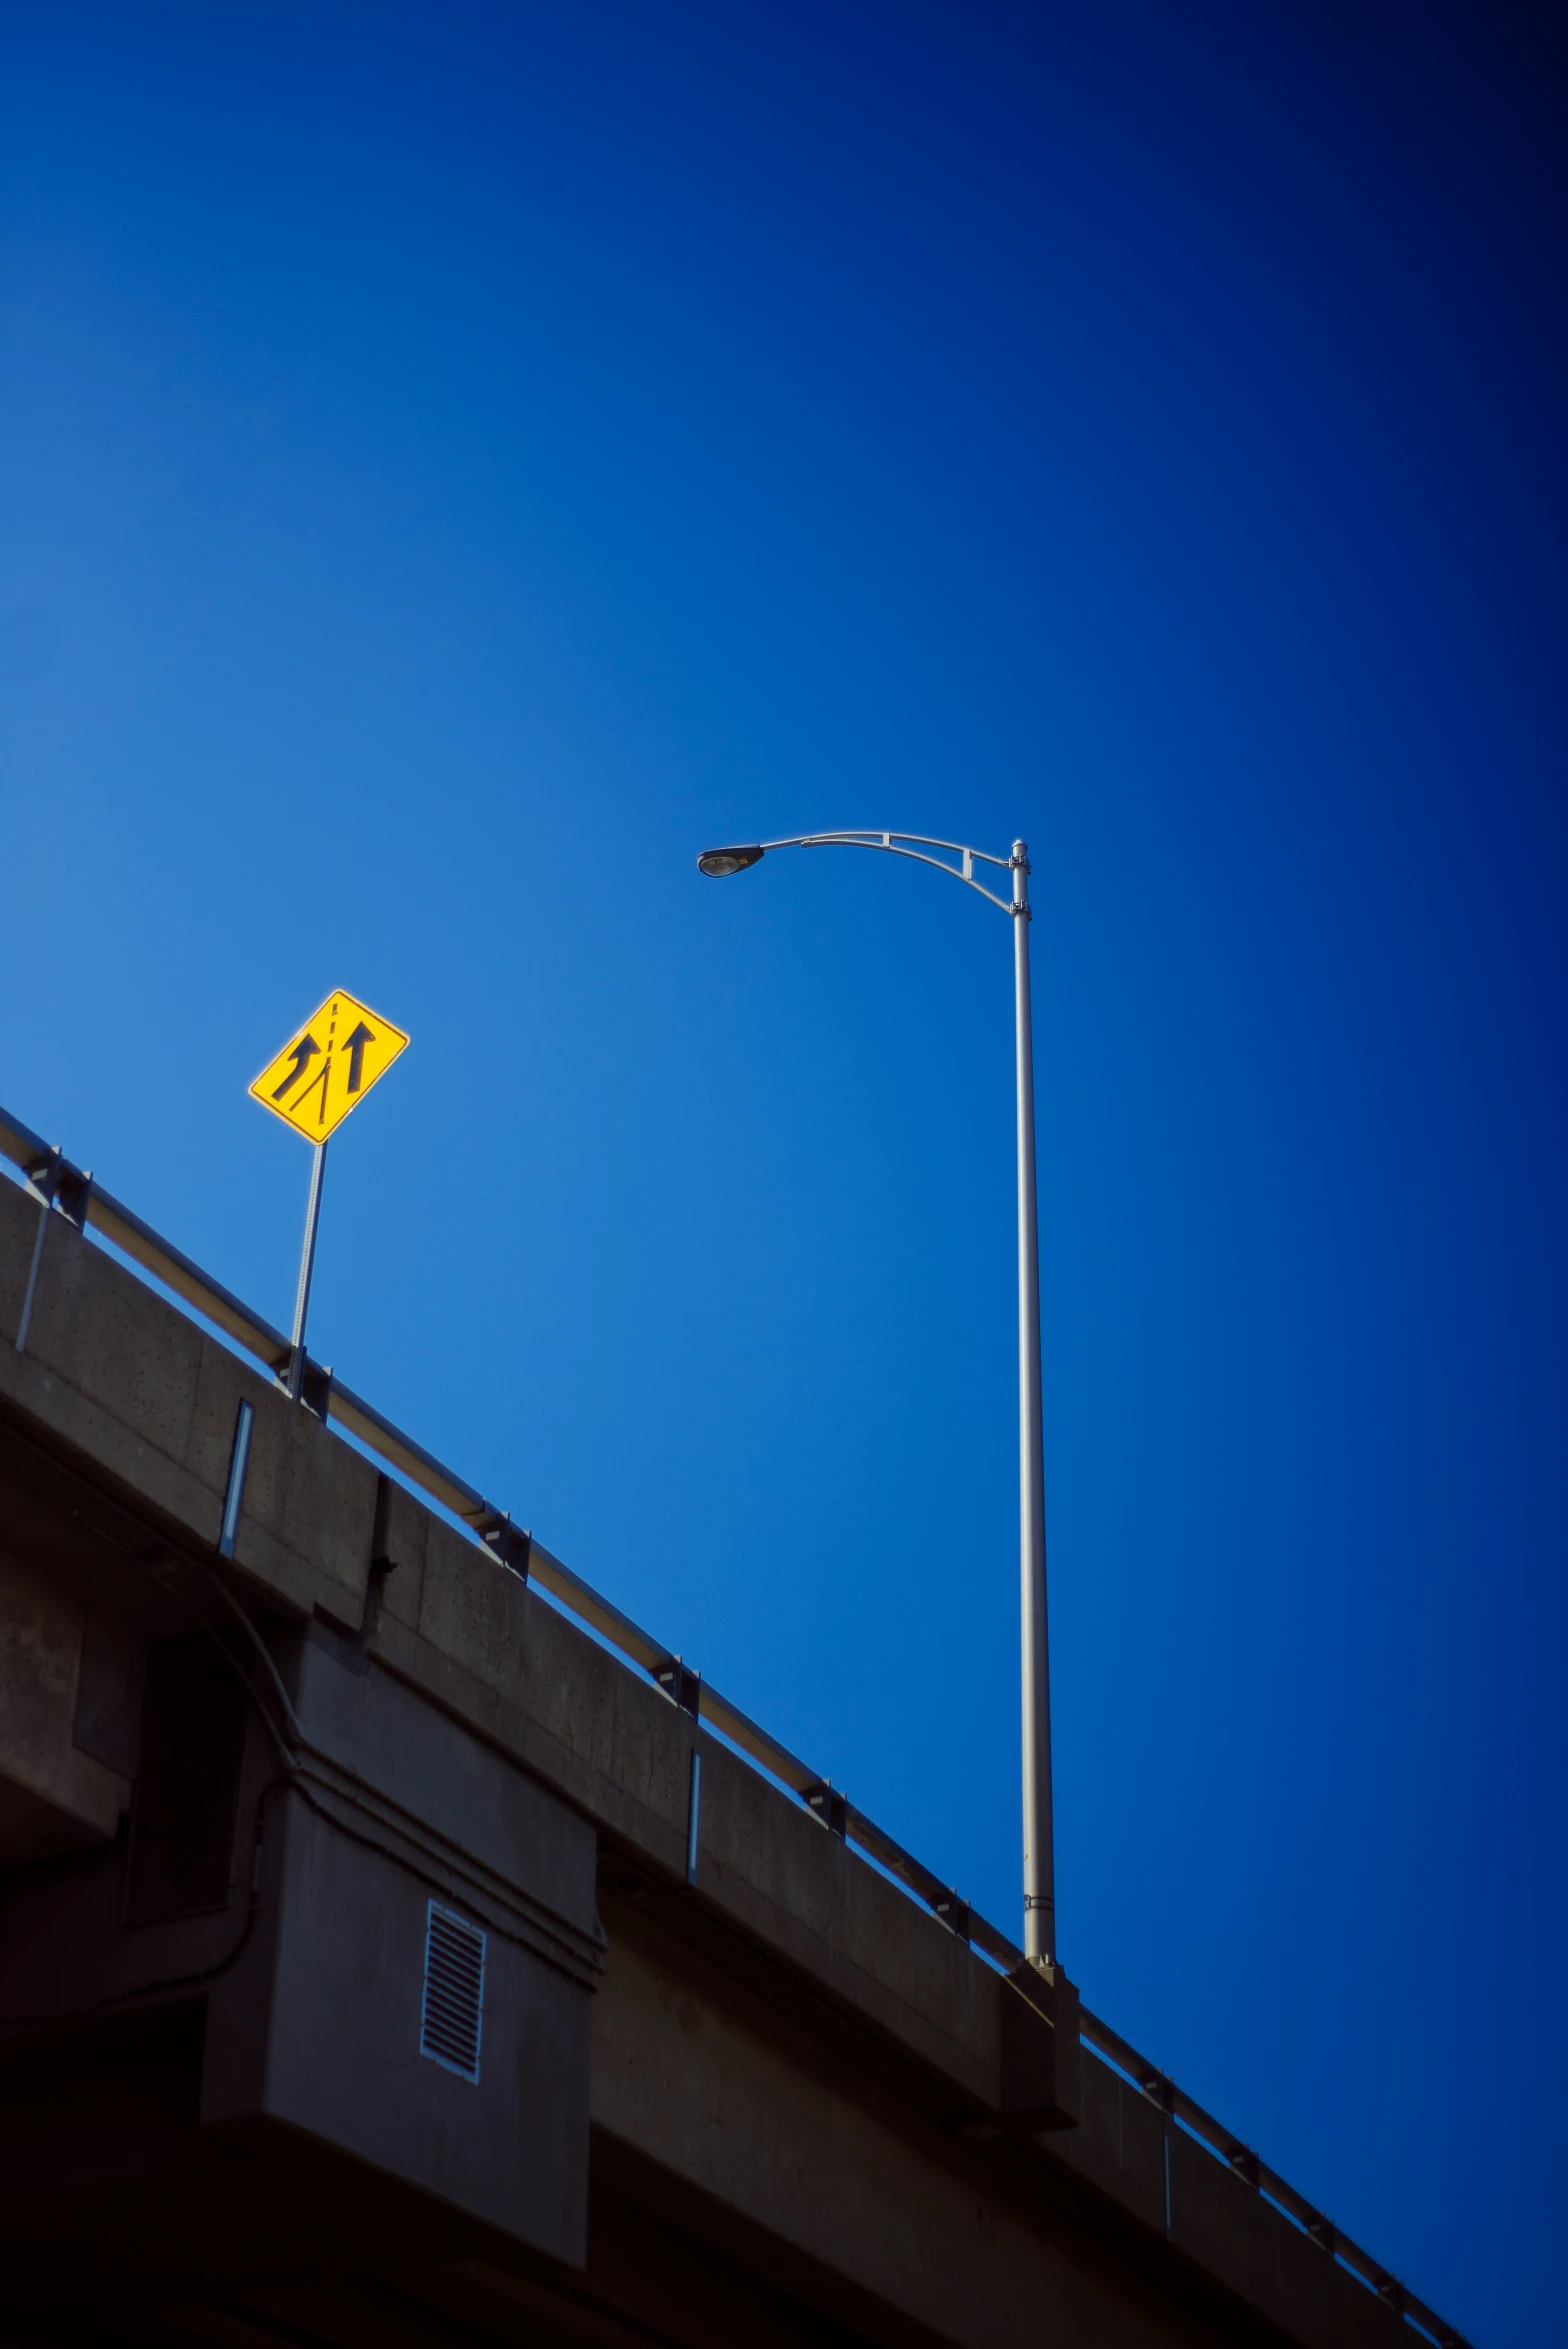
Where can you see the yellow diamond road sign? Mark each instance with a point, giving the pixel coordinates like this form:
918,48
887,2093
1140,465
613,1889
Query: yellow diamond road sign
329,1067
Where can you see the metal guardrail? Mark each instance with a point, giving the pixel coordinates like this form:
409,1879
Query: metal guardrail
71,1191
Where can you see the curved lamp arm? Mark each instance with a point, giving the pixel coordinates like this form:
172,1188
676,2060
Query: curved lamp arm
719,863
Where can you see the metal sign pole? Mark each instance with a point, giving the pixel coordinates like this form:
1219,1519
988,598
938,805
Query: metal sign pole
1039,1855
307,1265
343,1038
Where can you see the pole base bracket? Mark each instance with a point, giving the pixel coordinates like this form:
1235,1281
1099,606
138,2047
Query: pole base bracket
1041,2063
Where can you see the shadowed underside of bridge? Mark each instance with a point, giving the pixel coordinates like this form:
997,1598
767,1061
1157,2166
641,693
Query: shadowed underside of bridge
384,1962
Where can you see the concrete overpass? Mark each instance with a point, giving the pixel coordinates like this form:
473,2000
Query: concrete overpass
390,1961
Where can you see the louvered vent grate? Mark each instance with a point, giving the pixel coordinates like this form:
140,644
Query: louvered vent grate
454,1992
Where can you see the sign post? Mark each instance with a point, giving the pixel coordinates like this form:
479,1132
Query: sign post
307,1265
319,1076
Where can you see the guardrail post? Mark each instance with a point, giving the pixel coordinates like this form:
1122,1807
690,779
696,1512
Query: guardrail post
954,1913
824,1802
506,1542
680,1684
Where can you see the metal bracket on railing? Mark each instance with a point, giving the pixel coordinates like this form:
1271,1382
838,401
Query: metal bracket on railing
1245,2164
1392,2295
1324,2233
1159,2090
59,1184
954,1913
680,1684
506,1542
824,1802
315,1387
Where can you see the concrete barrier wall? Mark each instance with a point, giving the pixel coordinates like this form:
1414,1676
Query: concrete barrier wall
801,2054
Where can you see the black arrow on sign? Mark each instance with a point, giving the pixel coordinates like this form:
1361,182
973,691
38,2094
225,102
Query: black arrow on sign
304,1052
356,1053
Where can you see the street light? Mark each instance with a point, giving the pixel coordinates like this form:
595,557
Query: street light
1039,1858
719,863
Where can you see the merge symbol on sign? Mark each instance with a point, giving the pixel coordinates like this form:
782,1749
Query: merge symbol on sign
329,1066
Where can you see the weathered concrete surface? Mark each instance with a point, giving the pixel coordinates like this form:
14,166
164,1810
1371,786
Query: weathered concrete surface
52,1793
885,2200
792,2120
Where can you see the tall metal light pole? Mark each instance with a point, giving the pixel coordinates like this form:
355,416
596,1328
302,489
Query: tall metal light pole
1039,1857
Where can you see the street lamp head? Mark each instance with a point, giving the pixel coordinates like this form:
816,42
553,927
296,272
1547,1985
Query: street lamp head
719,863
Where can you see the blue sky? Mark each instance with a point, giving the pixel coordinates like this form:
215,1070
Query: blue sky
459,462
